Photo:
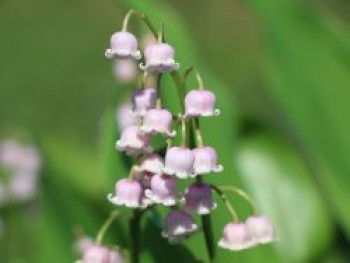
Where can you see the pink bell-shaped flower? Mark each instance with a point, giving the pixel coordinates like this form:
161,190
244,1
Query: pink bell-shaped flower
199,199
125,116
261,229
134,142
205,161
159,57
158,121
123,45
152,163
124,70
129,193
179,161
164,190
96,254
200,103
115,257
144,100
236,237
178,225
82,244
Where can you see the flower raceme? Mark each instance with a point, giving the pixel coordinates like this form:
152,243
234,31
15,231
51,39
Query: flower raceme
154,176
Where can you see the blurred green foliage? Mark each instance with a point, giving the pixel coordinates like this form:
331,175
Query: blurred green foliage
280,70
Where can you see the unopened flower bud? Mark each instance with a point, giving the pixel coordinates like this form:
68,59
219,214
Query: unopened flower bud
123,45
160,57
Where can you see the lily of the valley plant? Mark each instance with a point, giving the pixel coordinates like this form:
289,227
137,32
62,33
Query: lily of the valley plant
154,176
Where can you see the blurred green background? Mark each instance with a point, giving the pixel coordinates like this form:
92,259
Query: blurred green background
281,72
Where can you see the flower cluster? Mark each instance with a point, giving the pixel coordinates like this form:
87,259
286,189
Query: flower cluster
154,177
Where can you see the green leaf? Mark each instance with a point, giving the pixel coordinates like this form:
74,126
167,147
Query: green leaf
307,69
281,182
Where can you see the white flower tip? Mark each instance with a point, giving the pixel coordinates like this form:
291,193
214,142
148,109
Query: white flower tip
172,133
218,168
137,55
216,112
109,53
143,67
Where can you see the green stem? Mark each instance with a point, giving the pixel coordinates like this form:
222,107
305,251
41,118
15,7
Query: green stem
227,202
181,90
105,226
135,229
209,236
243,195
199,137
142,17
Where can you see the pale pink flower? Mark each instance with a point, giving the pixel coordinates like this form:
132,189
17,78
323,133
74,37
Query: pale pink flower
179,161
124,70
199,199
125,116
200,103
205,161
160,57
261,229
236,237
144,100
129,193
152,163
158,121
133,142
123,45
163,190
178,225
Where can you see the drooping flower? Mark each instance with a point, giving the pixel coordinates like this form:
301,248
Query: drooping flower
134,142
125,116
124,70
96,254
123,45
158,121
129,193
21,165
205,161
199,199
200,103
144,100
82,244
236,237
115,257
152,163
22,186
163,190
178,225
159,57
179,161
261,229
